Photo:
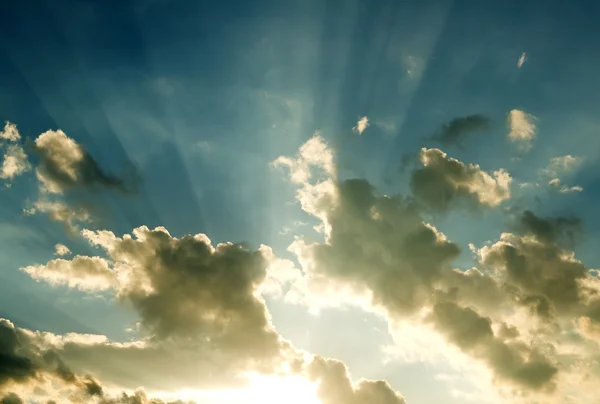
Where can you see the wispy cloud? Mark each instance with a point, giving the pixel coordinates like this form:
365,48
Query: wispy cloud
522,60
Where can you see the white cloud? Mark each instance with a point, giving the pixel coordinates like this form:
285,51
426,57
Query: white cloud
522,60
10,133
361,125
61,250
15,162
522,128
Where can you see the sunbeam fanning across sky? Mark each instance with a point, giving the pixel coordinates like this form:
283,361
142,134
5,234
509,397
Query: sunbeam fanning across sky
300,201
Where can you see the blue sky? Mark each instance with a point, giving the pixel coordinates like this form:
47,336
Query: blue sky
202,96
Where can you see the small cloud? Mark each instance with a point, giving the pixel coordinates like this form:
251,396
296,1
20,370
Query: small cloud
522,128
61,250
10,132
361,125
204,146
15,162
453,133
556,184
522,60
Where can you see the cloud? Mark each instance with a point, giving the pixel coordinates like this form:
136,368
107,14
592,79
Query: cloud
513,313
361,125
455,132
559,166
64,164
85,273
550,230
196,302
61,212
15,162
61,249
522,60
443,181
336,387
10,132
522,129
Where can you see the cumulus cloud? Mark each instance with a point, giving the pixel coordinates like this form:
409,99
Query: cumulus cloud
196,302
64,164
15,160
361,125
10,132
505,313
455,132
442,181
522,60
85,273
61,249
336,387
522,129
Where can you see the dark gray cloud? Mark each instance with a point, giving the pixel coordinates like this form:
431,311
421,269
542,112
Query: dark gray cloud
550,230
14,365
457,131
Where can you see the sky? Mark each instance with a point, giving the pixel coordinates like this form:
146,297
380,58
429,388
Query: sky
311,201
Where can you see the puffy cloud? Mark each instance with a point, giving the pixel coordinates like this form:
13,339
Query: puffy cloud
64,164
515,362
442,181
522,128
380,253
336,387
457,130
10,132
361,125
85,273
551,229
61,249
522,60
15,162
197,302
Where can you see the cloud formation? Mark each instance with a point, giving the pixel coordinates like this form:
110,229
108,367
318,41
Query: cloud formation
514,312
14,161
522,129
457,131
559,167
64,164
336,387
442,181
